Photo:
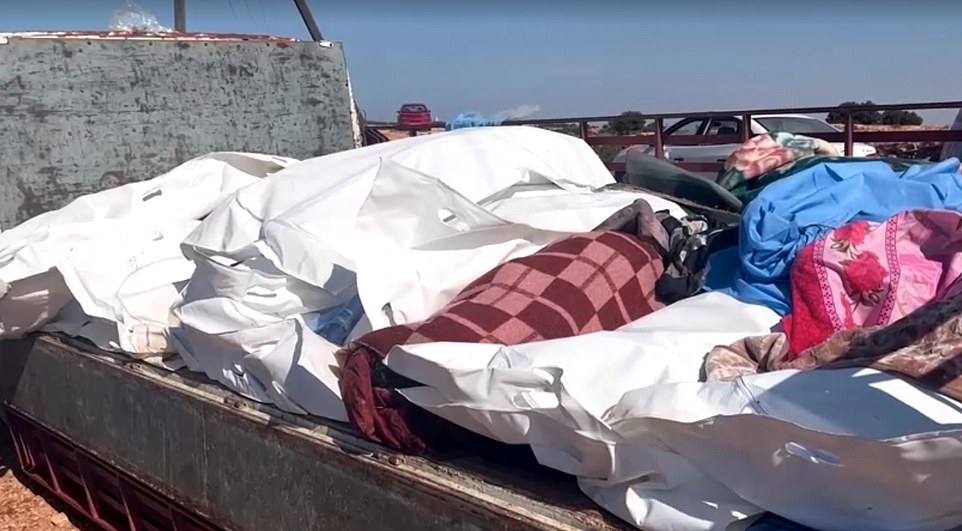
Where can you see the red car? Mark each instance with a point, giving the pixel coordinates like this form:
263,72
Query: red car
414,116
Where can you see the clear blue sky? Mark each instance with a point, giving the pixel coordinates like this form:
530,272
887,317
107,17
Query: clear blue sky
596,56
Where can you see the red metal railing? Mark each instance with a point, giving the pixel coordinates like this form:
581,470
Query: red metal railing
111,499
657,138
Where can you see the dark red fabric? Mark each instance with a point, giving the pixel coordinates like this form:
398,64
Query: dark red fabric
580,284
809,323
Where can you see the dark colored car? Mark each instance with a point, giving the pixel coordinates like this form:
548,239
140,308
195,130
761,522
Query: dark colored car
414,116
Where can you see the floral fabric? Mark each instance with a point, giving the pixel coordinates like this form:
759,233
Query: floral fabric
925,346
764,153
795,211
868,274
747,190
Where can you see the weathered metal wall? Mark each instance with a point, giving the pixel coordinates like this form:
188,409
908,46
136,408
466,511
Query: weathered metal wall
82,113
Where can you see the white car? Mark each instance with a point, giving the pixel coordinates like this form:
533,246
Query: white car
729,125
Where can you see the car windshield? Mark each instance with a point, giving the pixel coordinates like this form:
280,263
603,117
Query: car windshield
413,108
797,125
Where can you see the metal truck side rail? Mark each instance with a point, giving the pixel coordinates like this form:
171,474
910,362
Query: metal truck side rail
849,136
656,138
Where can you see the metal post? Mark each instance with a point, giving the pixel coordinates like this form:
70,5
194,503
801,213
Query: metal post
659,139
849,133
583,130
745,132
308,19
180,15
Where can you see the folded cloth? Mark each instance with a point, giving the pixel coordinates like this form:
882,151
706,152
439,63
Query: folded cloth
925,346
584,283
867,274
767,153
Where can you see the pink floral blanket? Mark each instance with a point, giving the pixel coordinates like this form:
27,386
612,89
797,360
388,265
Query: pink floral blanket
868,274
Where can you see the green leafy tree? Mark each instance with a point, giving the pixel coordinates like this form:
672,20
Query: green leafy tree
863,117
901,118
628,123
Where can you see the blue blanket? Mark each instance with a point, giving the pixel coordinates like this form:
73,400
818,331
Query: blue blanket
791,213
472,119
335,324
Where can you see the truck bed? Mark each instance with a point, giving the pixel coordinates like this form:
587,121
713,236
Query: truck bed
248,466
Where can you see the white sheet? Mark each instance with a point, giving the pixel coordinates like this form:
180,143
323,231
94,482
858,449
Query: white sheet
117,252
404,224
554,394
624,410
830,449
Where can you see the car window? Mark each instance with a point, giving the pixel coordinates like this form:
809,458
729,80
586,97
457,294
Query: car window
413,108
690,126
797,125
723,126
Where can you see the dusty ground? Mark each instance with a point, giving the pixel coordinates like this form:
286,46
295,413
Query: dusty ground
25,506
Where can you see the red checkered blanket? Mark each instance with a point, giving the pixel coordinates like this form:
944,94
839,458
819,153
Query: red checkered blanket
580,284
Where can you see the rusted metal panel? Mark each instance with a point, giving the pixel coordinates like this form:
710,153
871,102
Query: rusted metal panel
879,137
954,149
670,140
250,467
916,106
82,111
108,497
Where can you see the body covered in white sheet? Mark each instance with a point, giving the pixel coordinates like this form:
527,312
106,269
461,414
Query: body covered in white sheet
831,449
554,395
116,253
405,225
628,413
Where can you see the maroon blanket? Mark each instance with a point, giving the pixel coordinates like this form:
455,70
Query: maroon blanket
584,283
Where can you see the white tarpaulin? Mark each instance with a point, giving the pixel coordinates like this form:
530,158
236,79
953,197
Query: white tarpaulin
403,224
625,410
554,394
831,449
117,253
